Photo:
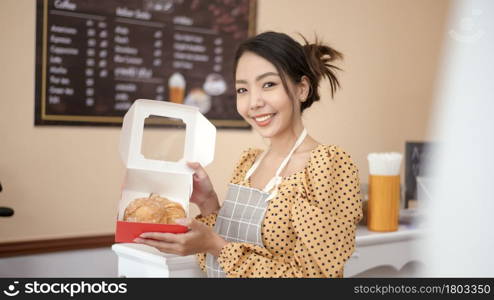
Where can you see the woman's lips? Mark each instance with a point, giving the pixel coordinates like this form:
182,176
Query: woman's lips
264,119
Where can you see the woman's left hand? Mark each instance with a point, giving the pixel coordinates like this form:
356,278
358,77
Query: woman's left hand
199,239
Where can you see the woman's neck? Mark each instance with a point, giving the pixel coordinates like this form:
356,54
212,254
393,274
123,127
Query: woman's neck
282,143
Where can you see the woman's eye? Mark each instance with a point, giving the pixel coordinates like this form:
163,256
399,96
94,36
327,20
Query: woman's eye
241,90
268,84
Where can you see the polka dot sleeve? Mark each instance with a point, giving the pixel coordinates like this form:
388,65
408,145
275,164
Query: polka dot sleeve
324,211
209,220
326,215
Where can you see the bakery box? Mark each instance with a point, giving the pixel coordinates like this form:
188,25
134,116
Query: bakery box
168,179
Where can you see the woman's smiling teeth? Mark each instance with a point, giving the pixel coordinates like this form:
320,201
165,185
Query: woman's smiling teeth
263,120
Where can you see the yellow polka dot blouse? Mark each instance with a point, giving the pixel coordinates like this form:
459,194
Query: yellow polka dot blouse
309,227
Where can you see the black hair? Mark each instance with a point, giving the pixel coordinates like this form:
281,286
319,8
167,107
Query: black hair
295,60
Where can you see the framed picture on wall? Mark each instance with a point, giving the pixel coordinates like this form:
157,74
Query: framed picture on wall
94,58
415,159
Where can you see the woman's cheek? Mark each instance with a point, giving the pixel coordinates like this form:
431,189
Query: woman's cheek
242,108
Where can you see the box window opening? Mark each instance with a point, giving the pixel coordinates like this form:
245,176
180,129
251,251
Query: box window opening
163,143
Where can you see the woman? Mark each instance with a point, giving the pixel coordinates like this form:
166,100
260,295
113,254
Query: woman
292,210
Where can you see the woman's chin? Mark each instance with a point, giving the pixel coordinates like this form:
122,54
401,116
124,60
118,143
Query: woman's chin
266,133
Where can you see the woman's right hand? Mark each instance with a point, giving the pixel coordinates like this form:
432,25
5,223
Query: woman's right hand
203,194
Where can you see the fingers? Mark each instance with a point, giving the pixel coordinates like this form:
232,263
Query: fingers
181,244
161,237
193,165
183,221
198,169
191,223
165,242
162,246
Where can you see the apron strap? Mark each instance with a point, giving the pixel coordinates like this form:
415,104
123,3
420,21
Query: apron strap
276,180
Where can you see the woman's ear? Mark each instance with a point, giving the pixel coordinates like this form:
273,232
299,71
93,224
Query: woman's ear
303,89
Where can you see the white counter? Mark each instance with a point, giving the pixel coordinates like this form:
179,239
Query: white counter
374,249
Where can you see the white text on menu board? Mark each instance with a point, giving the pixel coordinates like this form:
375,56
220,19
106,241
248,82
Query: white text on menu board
65,4
129,62
132,13
61,40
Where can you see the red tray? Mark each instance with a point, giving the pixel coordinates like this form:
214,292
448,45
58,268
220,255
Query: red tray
126,232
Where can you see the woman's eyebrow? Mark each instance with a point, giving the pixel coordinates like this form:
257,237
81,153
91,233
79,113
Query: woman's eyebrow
265,75
258,77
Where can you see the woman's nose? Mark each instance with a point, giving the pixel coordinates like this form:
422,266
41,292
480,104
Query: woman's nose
256,100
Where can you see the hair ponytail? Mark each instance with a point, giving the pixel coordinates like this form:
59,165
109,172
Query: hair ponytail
319,58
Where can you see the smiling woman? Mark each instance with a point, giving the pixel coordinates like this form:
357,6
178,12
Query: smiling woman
292,210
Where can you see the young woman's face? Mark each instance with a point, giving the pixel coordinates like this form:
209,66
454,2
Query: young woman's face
261,97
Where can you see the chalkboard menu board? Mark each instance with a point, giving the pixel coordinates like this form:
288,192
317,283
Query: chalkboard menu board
94,58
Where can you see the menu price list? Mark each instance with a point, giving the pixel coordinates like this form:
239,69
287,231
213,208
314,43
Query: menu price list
94,61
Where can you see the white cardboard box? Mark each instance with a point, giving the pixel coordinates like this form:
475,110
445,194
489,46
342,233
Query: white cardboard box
172,180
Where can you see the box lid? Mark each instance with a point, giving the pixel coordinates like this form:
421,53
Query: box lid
200,136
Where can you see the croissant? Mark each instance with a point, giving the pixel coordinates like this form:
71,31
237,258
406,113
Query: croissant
154,209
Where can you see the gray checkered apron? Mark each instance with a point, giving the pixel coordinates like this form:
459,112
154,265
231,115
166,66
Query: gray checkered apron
240,218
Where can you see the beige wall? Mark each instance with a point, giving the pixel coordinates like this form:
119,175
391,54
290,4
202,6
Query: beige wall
65,181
